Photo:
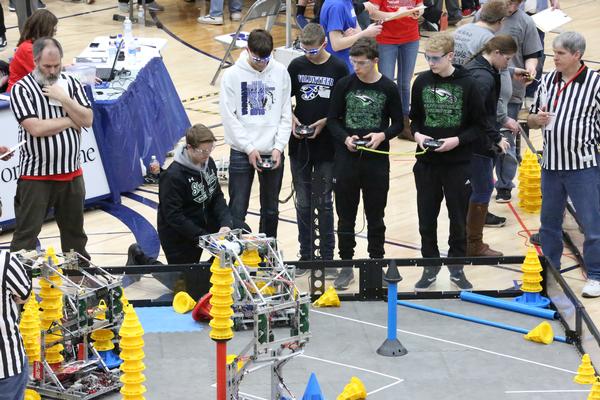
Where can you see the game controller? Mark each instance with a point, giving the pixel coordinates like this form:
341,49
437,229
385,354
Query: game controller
360,142
266,164
432,144
304,130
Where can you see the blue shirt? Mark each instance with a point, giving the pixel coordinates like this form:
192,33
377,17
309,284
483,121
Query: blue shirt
338,15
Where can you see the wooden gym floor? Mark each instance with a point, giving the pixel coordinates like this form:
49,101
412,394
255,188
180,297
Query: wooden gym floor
191,56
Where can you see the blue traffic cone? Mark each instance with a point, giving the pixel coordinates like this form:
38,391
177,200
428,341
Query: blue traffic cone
110,359
313,390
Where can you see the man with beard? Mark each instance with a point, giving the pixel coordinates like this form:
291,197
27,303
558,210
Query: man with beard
51,109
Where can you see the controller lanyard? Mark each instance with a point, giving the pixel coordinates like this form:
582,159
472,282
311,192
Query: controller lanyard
566,85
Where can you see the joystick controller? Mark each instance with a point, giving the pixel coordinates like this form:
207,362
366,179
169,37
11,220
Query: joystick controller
304,131
360,142
431,144
266,164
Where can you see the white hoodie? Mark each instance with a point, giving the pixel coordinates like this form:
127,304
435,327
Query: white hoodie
256,106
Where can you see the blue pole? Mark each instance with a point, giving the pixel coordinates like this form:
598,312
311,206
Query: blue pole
471,319
508,305
392,311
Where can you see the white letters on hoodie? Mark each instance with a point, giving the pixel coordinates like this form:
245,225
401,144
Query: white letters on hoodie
256,106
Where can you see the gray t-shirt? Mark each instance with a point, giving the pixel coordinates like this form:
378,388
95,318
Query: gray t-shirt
522,28
468,41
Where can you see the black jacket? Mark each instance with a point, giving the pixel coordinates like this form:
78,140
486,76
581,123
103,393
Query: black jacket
446,107
191,204
488,83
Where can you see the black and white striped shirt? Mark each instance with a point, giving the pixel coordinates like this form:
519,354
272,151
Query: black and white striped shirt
43,156
572,140
14,282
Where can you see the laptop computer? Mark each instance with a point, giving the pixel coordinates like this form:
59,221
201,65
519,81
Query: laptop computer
108,74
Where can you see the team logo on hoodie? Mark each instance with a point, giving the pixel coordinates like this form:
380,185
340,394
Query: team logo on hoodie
364,109
257,97
443,104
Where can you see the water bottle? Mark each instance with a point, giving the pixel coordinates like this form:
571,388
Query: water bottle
138,49
127,30
131,52
112,51
154,166
141,16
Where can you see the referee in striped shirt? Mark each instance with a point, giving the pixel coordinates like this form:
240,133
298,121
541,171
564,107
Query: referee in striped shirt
51,109
15,287
567,108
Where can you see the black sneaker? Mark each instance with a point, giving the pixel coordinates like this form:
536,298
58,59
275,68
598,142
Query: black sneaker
430,26
460,281
41,5
535,239
11,6
494,221
503,195
427,280
2,42
344,279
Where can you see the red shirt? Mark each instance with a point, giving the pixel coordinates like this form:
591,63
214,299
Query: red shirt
21,64
401,30
68,177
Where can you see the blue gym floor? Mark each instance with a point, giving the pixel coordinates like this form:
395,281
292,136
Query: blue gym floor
447,358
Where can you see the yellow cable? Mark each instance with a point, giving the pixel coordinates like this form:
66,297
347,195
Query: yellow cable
408,153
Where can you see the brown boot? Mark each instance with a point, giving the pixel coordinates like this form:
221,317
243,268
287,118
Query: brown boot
406,133
475,221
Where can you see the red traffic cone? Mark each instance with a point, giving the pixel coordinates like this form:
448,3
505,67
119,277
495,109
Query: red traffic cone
202,310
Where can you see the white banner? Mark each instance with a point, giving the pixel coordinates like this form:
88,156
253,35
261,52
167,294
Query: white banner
93,170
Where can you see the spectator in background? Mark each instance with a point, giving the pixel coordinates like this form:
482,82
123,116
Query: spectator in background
338,19
398,45
24,9
151,4
215,15
2,29
42,23
453,9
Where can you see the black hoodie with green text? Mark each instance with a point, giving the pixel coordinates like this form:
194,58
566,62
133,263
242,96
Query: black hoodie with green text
443,107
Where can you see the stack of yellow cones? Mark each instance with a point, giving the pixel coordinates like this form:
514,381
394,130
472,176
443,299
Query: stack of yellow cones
542,333
531,272
52,310
530,184
328,299
221,301
355,390
585,373
30,329
132,354
103,339
595,392
32,395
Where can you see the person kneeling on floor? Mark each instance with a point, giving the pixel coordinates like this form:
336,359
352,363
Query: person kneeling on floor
191,204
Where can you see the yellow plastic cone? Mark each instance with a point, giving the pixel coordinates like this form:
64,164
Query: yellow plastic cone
355,390
542,333
183,303
328,299
595,392
585,372
32,395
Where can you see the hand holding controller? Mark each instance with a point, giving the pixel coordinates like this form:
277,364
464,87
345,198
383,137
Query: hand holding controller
360,142
304,131
431,144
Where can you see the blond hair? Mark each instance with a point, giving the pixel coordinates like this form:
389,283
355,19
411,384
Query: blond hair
442,42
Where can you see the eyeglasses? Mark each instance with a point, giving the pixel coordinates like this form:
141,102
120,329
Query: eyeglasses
260,60
435,59
311,52
360,63
203,152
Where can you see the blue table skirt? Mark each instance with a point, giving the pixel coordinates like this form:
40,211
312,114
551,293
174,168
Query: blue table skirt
147,119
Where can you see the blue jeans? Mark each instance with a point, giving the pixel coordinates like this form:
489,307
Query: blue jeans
583,188
404,56
482,179
241,175
13,388
303,173
507,164
216,7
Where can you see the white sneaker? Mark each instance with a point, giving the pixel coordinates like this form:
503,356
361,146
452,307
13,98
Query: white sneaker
236,16
210,20
591,288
